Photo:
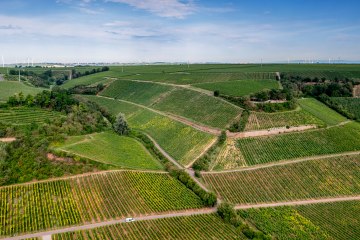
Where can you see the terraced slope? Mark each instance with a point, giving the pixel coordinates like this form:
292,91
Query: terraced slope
193,227
337,176
321,111
112,149
90,198
192,105
23,116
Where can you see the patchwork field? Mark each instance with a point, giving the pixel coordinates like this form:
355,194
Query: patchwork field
182,142
91,198
23,116
351,105
208,110
321,111
193,227
240,88
261,120
258,150
112,149
9,88
338,176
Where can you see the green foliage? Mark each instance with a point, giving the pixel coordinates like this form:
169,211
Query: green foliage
349,107
240,125
337,176
227,213
120,125
25,116
275,107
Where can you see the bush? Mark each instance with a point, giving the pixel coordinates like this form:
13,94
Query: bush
216,93
121,126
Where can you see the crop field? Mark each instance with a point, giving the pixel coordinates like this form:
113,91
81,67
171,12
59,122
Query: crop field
283,223
258,150
337,176
8,89
23,116
195,227
182,142
340,220
321,111
207,110
261,120
239,88
91,198
112,149
352,105
92,79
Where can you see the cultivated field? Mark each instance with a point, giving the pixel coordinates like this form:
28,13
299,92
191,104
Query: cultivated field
88,80
261,120
9,88
92,198
182,142
321,111
258,150
193,227
351,105
208,110
239,88
23,116
337,176
112,149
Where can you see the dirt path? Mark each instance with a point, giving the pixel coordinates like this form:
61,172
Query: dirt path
268,132
285,162
202,153
8,139
182,214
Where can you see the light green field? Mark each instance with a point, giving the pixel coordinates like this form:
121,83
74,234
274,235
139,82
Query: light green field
92,79
9,88
195,227
351,105
239,88
112,149
261,120
192,105
258,150
24,116
340,220
331,177
182,142
321,111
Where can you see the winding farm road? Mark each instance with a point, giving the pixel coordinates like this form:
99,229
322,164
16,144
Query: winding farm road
181,214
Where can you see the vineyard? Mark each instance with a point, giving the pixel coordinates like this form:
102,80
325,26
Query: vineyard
240,88
258,150
193,227
351,105
283,223
8,89
321,111
112,149
91,198
23,116
182,142
207,110
92,79
261,120
340,220
320,178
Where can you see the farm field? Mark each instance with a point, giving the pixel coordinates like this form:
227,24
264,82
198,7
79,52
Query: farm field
352,105
340,220
92,79
259,150
23,116
9,88
337,176
193,227
90,198
283,223
321,111
261,120
182,142
112,149
207,110
239,88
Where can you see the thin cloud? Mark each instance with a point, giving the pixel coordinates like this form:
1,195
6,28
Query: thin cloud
162,8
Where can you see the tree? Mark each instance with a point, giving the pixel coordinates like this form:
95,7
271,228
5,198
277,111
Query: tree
121,126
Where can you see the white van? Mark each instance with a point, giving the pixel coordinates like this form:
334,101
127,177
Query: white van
129,219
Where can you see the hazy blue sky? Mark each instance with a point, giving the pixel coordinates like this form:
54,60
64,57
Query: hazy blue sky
179,30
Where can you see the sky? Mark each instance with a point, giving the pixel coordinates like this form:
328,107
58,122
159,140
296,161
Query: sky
237,31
